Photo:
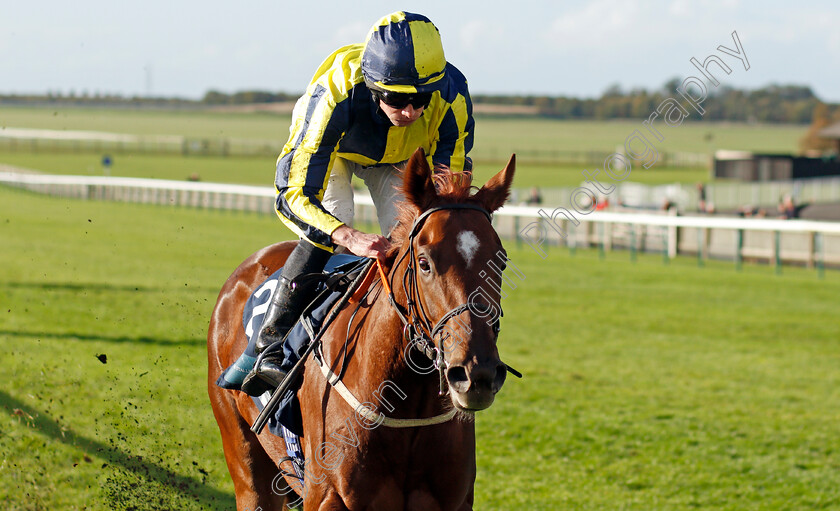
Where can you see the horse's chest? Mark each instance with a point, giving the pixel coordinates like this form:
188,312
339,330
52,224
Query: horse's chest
390,494
377,483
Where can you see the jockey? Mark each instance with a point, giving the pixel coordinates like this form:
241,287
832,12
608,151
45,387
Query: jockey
367,109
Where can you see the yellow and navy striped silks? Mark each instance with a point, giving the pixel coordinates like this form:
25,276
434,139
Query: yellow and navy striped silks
403,53
338,117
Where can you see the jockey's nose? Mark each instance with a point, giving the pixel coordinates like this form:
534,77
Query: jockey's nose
410,112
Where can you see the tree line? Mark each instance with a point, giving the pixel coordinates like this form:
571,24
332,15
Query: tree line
771,104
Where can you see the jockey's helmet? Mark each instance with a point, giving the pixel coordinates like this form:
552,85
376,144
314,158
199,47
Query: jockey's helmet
403,54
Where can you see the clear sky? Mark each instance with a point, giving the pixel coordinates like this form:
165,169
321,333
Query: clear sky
186,47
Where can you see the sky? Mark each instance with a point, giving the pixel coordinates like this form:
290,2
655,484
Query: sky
186,47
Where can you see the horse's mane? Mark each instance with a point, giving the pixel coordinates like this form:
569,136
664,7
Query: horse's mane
452,188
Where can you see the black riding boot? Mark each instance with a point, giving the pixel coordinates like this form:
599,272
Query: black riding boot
285,306
279,319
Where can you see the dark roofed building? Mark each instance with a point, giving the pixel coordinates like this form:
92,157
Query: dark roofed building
747,166
832,132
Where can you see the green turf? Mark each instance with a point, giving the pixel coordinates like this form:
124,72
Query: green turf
495,137
260,171
666,387
242,170
647,386
495,140
189,123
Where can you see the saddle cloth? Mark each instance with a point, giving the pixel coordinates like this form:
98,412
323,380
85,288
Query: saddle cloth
287,416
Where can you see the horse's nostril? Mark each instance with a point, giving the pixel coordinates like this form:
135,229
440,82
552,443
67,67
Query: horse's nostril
482,378
457,378
499,379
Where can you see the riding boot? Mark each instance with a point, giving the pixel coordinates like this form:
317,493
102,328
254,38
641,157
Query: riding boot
285,306
280,316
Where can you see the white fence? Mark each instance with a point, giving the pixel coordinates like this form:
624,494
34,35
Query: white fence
807,242
811,243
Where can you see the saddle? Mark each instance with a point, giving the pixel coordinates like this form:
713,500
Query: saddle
332,283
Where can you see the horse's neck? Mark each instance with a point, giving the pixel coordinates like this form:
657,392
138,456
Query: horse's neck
381,354
381,340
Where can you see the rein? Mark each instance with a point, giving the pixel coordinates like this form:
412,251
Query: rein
417,327
374,418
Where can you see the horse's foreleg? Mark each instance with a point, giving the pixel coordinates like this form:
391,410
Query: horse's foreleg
468,505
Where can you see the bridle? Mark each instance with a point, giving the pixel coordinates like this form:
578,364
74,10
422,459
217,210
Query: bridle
417,326
417,329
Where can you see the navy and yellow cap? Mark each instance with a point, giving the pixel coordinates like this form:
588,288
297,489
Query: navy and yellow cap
403,53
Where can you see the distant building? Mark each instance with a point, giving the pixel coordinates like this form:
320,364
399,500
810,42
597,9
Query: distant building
832,132
747,166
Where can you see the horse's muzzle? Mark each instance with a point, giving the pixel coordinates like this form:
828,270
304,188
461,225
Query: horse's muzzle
474,386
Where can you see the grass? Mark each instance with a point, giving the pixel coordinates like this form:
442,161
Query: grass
496,139
671,387
241,170
189,123
260,171
136,285
647,386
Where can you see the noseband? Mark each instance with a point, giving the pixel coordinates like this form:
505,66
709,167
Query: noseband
417,327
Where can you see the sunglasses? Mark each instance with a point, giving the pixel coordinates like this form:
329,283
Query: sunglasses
402,100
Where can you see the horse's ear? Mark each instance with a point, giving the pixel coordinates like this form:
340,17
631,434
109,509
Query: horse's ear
418,186
496,191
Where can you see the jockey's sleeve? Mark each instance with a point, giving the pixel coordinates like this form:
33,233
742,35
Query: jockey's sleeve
456,131
303,166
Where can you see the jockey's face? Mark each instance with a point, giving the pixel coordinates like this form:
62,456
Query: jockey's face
401,117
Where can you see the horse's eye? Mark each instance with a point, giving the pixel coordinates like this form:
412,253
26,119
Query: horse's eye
424,265
503,259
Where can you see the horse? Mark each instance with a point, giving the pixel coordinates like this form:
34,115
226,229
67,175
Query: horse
388,402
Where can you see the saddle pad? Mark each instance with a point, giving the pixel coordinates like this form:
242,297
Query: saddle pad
288,413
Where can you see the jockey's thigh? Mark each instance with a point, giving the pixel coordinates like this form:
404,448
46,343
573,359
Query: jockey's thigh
385,184
338,196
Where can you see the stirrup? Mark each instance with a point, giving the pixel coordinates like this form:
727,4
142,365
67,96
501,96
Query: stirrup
264,378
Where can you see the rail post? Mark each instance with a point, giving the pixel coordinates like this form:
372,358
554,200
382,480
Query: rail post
572,239
819,250
602,246
701,243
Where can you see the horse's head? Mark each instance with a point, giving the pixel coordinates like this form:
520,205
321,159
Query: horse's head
453,259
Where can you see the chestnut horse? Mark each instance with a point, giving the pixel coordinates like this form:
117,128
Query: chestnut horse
392,429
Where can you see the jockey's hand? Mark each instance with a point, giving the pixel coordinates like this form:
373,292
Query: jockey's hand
361,243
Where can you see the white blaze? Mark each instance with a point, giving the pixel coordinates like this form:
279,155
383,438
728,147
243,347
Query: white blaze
467,246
